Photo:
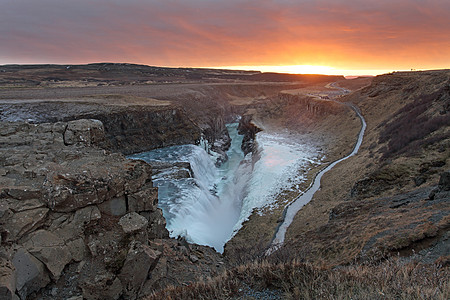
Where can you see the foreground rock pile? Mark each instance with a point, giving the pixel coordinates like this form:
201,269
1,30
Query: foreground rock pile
77,221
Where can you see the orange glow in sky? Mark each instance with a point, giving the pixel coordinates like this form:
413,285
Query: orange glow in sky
351,37
308,69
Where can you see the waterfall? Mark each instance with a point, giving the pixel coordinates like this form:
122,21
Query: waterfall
210,207
281,159
203,208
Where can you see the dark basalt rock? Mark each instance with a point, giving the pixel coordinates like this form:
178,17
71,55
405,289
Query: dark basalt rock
249,130
78,220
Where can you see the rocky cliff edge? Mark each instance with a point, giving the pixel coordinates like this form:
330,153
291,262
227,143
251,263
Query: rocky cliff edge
77,221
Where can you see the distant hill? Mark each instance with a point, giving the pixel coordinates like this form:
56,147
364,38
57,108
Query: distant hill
124,73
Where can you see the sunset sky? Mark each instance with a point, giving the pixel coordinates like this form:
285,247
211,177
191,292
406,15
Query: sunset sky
304,36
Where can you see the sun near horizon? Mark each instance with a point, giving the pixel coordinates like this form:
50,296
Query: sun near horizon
300,37
308,69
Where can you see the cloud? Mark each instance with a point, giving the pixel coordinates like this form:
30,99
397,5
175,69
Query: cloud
362,34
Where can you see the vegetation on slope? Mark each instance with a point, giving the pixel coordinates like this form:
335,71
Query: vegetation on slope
413,123
391,279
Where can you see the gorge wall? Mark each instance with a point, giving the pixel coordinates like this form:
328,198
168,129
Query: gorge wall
76,219
142,129
128,129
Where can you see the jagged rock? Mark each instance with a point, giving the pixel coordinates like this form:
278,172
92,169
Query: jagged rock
102,285
137,174
140,259
249,130
77,249
114,207
18,224
133,222
24,193
176,267
59,187
69,227
157,224
49,249
7,280
70,191
93,180
23,205
144,200
30,273
85,132
24,134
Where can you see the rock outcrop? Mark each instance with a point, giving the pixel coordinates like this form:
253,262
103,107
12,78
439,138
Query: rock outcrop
78,220
126,129
142,129
249,130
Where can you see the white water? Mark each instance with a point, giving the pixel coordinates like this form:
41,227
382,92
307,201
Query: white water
303,199
209,208
281,157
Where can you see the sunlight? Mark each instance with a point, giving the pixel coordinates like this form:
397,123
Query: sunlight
293,69
308,69
303,69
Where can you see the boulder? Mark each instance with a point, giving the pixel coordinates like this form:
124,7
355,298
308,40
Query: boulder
133,222
139,261
98,283
104,286
31,275
20,223
144,200
84,132
49,249
85,181
156,224
71,226
137,174
77,249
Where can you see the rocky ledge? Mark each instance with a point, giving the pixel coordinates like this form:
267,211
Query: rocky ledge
78,221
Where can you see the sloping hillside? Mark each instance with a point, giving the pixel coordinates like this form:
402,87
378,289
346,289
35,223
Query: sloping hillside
381,201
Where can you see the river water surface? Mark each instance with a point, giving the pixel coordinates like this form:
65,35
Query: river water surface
209,208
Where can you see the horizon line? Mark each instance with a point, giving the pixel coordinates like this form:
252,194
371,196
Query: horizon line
281,69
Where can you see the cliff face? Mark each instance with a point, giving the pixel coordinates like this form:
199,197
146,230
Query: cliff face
128,128
143,129
76,219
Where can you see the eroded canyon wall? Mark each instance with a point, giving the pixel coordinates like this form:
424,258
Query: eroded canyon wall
77,220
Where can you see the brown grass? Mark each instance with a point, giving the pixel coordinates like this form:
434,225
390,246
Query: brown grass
391,279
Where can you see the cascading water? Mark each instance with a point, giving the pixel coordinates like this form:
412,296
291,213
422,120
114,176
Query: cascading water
210,207
204,208
280,158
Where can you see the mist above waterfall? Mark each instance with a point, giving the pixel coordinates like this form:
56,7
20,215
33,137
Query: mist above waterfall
210,207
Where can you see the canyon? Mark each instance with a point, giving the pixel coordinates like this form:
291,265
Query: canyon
79,219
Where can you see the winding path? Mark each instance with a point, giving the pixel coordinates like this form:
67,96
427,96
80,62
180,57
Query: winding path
292,208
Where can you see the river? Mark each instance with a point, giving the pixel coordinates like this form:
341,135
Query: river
210,207
304,198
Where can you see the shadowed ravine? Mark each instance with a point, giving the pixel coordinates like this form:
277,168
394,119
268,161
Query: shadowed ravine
292,208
